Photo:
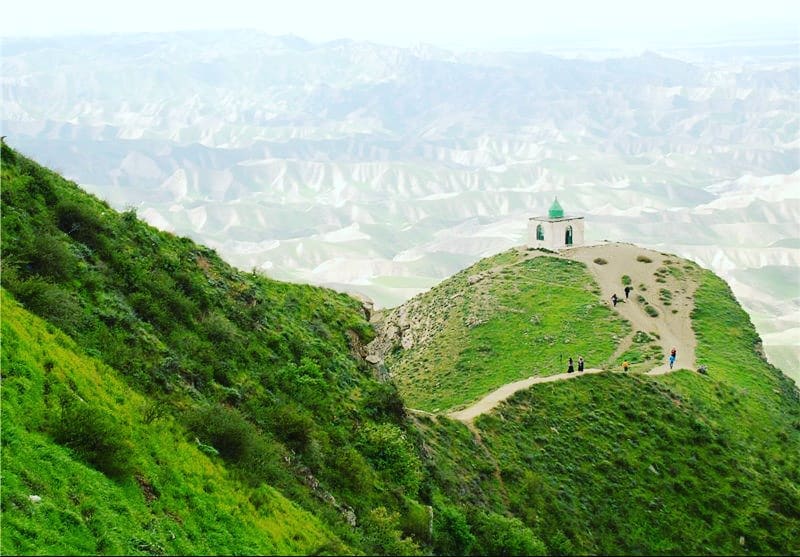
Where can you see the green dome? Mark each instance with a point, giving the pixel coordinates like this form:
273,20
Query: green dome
556,212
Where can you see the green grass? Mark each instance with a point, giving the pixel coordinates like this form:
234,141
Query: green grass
525,319
260,372
174,500
628,464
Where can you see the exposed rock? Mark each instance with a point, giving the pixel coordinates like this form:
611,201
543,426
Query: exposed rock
367,304
373,359
34,499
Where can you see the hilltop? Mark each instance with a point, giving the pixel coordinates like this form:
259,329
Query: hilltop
542,308
602,462
157,400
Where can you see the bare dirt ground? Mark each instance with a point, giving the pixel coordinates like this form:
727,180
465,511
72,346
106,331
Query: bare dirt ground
672,325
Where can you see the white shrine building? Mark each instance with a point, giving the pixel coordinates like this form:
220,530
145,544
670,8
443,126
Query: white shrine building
555,231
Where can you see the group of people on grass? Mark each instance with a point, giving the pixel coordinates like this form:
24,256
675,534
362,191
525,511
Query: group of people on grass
673,355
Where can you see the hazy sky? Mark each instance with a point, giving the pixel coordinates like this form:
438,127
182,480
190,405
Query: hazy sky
449,23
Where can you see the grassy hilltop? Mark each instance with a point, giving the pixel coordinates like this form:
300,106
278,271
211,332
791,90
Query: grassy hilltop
159,401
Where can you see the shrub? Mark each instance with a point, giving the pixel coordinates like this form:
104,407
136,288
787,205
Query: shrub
451,532
643,259
386,447
80,221
641,337
350,469
651,311
96,437
415,520
237,441
626,280
499,535
224,428
291,423
51,302
382,535
49,257
600,261
382,400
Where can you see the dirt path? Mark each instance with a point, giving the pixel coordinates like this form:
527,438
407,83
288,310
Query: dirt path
673,324
673,328
494,398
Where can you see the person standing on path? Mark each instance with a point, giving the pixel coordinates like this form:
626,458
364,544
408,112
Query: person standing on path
673,354
628,291
580,363
625,365
614,299
570,366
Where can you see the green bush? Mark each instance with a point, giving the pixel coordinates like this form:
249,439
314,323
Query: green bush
290,423
451,532
386,447
651,311
383,400
96,437
382,535
500,535
223,428
643,259
626,280
50,302
237,441
81,221
49,257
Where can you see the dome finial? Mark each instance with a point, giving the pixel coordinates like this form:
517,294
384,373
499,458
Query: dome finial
556,212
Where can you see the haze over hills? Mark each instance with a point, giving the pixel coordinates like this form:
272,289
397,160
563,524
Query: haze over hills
383,169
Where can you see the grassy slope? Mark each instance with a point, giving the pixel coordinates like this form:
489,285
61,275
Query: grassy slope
262,371
525,317
622,464
179,502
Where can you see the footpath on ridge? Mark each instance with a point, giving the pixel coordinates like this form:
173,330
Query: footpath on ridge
672,325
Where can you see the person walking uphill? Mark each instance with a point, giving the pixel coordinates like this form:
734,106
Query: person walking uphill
628,291
570,366
673,354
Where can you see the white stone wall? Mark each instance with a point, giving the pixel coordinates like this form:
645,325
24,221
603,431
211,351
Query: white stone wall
555,233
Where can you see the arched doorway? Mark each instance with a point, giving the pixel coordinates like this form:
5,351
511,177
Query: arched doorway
539,232
568,236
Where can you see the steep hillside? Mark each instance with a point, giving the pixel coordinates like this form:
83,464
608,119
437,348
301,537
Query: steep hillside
90,466
265,375
636,463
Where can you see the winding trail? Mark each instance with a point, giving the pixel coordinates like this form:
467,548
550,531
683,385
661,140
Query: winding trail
672,325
